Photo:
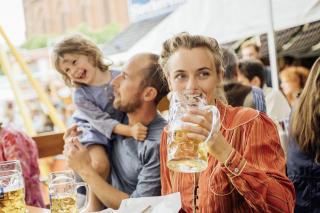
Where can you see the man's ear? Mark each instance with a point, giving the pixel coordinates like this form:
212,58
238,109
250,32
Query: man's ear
256,81
149,94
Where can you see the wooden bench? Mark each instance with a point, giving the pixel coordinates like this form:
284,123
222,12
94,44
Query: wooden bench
49,144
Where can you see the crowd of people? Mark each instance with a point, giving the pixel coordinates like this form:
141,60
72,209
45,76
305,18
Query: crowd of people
264,158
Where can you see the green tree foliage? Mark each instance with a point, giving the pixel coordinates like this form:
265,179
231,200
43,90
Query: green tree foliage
38,41
101,36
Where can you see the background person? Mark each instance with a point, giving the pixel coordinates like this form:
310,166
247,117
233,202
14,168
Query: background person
303,156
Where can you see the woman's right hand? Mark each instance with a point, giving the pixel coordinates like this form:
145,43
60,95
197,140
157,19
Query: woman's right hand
199,130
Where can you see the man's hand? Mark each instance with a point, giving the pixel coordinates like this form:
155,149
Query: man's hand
77,156
71,132
139,132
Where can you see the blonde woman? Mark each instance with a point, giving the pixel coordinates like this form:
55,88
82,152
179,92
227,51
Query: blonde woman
246,169
303,156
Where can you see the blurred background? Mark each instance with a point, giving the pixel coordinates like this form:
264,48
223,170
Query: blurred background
125,27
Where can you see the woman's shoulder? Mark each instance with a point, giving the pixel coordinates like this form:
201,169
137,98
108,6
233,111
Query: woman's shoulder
233,117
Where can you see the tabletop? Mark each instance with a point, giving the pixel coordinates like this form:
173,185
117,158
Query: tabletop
32,209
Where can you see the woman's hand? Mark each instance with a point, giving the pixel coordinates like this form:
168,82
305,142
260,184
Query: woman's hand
199,124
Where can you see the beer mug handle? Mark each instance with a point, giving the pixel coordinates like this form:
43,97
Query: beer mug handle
215,121
87,192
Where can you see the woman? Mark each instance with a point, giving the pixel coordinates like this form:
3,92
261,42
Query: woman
246,169
303,162
16,145
293,80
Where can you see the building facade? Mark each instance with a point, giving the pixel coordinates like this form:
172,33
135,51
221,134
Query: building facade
53,17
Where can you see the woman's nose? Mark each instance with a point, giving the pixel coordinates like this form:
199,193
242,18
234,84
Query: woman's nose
192,84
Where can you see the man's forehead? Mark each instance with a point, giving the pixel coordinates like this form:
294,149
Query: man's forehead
137,64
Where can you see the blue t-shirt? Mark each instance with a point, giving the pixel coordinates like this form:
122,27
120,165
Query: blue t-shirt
135,164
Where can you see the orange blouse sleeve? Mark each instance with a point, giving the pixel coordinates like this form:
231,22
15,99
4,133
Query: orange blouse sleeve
164,171
259,174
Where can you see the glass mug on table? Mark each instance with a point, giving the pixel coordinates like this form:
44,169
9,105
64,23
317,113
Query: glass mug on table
185,154
63,192
12,192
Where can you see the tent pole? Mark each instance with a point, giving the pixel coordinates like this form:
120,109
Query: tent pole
272,48
53,114
26,117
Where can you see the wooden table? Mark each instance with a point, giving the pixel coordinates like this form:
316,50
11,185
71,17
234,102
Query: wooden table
33,209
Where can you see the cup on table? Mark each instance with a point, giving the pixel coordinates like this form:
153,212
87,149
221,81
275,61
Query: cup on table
63,192
12,190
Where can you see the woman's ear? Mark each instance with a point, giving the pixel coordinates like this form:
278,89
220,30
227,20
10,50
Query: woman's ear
149,94
220,76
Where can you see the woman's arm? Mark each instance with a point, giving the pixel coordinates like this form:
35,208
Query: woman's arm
259,173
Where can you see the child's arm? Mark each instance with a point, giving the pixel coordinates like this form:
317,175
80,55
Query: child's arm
88,111
137,131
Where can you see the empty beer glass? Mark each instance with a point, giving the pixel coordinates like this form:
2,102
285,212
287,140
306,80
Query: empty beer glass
185,154
63,192
12,192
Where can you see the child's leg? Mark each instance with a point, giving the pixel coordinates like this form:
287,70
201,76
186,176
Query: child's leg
100,162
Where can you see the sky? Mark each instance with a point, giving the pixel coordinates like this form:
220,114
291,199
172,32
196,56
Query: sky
12,21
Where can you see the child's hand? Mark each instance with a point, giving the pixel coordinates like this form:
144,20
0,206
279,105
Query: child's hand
139,132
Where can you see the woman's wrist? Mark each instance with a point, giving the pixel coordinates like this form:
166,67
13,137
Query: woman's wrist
219,147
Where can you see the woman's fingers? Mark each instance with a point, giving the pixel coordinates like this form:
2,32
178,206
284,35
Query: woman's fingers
195,129
196,137
198,120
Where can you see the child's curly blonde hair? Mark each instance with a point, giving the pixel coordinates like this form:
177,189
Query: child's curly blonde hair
77,44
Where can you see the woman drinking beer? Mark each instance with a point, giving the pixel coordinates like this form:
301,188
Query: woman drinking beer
246,165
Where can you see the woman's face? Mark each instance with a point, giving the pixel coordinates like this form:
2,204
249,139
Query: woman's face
289,87
193,69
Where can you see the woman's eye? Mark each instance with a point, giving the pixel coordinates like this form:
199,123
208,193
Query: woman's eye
179,76
204,74
67,70
74,61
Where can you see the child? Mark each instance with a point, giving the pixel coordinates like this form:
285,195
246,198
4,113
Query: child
81,64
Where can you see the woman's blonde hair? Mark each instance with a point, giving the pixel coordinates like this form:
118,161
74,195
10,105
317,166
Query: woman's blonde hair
305,120
77,44
187,41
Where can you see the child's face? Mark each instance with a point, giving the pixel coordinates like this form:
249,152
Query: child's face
79,69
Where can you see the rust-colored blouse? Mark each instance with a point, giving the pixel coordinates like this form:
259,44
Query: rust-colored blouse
252,179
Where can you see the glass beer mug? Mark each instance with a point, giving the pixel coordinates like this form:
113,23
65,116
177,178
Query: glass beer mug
63,192
12,192
185,154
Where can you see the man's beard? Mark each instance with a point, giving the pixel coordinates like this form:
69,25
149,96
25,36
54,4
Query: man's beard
129,107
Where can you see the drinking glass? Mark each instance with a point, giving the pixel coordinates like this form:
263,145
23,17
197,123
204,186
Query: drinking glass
63,192
185,154
12,191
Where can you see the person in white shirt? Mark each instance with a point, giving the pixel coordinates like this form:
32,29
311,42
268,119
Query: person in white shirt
278,108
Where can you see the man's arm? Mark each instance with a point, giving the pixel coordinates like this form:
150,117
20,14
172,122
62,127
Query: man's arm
108,195
79,160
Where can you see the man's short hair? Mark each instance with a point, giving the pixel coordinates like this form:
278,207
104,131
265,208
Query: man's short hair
154,77
250,44
230,63
251,68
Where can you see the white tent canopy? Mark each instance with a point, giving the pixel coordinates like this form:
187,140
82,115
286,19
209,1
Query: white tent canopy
227,20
